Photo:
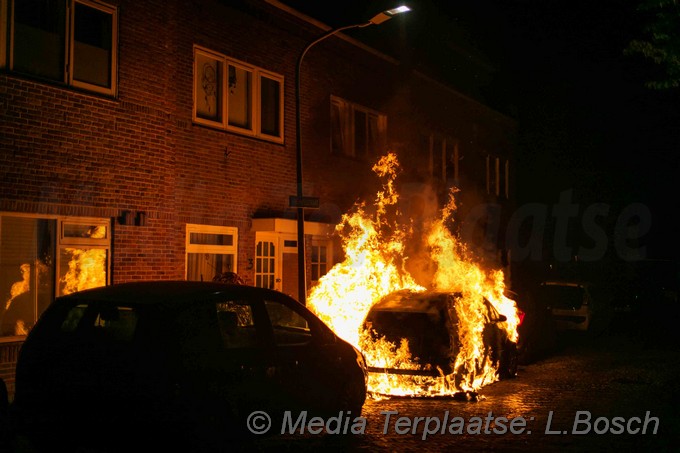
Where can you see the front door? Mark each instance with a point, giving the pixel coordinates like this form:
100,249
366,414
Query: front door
267,259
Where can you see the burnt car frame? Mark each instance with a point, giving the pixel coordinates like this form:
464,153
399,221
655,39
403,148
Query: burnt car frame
177,360
428,321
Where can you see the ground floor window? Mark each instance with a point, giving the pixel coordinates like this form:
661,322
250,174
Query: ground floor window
210,251
41,258
319,262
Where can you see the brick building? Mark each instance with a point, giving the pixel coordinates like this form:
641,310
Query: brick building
156,140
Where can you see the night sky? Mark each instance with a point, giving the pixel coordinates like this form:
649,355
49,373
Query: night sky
587,123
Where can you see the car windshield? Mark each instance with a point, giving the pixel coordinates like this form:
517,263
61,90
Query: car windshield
426,332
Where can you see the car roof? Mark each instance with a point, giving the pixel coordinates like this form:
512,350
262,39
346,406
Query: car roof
166,292
415,301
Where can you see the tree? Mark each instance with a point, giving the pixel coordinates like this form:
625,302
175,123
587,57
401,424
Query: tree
661,43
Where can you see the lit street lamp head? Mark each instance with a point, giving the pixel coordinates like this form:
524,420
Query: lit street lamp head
388,14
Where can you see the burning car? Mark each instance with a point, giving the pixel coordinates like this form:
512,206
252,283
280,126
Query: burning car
149,360
428,324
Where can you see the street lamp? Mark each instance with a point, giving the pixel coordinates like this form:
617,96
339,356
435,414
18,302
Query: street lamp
302,267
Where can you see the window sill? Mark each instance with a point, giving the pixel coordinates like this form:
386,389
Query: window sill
13,339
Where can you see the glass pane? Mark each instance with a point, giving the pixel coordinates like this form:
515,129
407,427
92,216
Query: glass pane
450,168
73,318
235,320
26,271
117,323
211,239
72,230
208,80
240,98
360,137
437,159
289,326
204,267
270,106
82,268
39,37
93,37
373,135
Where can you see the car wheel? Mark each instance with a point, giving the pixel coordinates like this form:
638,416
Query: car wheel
508,364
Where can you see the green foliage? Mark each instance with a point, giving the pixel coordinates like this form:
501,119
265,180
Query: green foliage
661,43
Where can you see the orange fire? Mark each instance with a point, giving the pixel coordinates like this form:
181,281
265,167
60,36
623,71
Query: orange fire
374,266
23,286
86,268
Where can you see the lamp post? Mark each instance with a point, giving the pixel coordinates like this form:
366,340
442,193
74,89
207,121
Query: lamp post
302,267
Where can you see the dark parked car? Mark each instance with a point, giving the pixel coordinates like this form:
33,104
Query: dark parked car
576,305
176,361
429,322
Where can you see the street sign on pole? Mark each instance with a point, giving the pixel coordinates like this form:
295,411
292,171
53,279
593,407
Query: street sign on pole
303,202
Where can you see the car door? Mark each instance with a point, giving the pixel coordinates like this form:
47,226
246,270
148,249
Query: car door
226,359
309,365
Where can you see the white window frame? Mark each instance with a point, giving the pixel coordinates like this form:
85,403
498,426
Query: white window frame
207,248
443,149
68,71
327,263
507,179
4,18
103,243
63,241
113,11
255,96
346,110
497,171
488,174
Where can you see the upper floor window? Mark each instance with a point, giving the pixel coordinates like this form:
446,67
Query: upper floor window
357,131
444,157
67,41
497,177
238,97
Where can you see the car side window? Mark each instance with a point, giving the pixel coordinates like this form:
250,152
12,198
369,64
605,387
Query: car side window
289,326
116,323
235,320
73,317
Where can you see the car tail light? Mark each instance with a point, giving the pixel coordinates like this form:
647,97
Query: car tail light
520,315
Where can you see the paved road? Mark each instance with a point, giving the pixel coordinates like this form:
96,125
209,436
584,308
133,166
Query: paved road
625,387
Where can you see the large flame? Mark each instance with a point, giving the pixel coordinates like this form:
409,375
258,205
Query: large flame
375,256
87,267
23,286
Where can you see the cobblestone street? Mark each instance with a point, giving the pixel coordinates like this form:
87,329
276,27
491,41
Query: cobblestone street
565,400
